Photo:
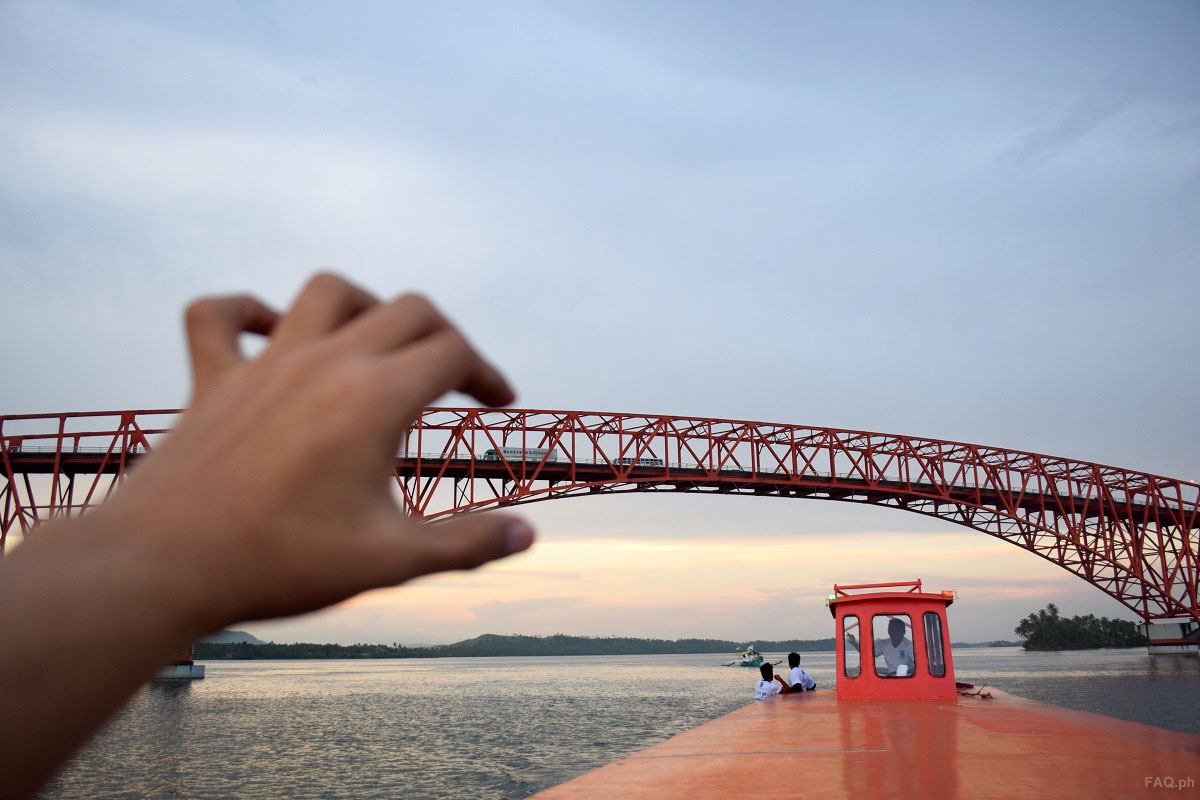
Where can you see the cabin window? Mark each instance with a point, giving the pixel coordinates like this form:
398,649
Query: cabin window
893,647
850,635
934,653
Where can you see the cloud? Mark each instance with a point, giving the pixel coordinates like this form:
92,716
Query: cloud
525,613
1046,142
796,216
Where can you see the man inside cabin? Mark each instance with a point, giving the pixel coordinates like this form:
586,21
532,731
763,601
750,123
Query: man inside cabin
896,651
798,678
767,687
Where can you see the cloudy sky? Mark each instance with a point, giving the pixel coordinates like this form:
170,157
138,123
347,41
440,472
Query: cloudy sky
966,221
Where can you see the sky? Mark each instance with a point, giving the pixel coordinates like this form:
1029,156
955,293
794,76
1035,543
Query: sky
967,221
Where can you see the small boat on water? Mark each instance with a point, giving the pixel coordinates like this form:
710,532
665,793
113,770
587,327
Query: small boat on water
750,657
899,725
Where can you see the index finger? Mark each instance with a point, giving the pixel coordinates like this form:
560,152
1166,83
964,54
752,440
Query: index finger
213,327
444,361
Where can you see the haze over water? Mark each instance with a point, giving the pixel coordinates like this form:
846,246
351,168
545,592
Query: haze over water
504,727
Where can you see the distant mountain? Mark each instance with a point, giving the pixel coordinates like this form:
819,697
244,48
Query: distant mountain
231,637
210,651
490,644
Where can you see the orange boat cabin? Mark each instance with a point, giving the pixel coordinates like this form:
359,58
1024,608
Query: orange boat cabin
893,642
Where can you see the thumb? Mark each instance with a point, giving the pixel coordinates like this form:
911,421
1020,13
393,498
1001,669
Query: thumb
467,542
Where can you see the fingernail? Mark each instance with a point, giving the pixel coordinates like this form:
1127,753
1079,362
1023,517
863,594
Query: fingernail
517,537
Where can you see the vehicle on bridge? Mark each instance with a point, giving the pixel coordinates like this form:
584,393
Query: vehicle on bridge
520,454
540,454
639,462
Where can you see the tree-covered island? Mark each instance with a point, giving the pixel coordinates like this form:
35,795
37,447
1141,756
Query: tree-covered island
1047,630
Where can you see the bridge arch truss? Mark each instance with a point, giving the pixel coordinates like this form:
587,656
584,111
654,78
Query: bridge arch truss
1134,535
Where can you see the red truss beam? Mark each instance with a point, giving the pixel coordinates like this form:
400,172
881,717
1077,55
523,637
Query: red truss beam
1133,535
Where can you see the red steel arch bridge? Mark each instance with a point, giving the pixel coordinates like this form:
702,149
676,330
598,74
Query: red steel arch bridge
1134,535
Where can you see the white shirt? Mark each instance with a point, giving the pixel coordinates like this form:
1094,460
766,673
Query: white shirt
800,676
895,655
765,689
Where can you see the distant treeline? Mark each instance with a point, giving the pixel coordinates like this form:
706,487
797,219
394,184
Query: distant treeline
1046,630
562,645
209,651
494,645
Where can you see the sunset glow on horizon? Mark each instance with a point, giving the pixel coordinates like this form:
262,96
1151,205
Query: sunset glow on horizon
744,588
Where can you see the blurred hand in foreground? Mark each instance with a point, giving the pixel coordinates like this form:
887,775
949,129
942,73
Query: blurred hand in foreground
272,496
274,491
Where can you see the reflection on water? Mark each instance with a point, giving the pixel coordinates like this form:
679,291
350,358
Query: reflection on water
502,727
1129,684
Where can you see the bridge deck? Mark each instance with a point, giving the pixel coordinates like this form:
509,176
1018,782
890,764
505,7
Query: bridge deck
671,478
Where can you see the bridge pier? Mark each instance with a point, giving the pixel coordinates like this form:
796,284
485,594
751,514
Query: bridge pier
1171,638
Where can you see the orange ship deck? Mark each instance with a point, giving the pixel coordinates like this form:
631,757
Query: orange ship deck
811,745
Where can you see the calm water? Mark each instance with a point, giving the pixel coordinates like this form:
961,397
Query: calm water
503,727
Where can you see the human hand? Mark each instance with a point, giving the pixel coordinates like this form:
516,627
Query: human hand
272,496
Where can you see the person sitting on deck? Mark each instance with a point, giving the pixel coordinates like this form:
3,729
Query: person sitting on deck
767,686
798,678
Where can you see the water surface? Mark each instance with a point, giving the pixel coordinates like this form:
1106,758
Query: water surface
503,727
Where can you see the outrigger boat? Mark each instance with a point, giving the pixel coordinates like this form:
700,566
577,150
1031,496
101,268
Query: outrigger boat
899,725
749,657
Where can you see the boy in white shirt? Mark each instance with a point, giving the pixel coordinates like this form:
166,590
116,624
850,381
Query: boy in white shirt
798,679
767,686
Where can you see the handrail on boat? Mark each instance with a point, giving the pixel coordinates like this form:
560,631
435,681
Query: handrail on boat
843,590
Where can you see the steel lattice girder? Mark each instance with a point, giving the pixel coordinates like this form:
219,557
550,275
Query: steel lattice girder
1132,534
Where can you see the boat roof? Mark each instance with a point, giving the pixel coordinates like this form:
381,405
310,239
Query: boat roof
811,745
902,592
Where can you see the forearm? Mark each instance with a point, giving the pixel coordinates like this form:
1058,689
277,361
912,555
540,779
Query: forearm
86,617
